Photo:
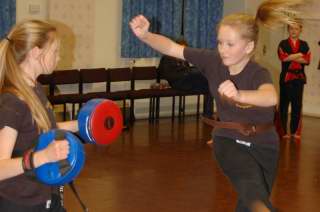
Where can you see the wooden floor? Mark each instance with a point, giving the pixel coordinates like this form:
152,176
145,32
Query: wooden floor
167,167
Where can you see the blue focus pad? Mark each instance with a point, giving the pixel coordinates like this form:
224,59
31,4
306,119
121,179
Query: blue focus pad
60,172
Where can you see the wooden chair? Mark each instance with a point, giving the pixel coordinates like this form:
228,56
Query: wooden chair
149,74
182,94
94,76
62,78
182,102
117,77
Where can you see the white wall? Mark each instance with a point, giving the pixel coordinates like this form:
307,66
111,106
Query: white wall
31,9
231,6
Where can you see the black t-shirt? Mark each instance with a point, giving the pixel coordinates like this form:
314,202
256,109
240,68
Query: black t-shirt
15,113
250,78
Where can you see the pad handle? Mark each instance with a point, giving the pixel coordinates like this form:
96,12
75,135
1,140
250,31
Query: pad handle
64,165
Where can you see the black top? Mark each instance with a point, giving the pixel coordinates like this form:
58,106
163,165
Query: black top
291,70
250,78
172,69
15,113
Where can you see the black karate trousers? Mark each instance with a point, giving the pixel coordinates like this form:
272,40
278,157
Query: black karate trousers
291,92
251,170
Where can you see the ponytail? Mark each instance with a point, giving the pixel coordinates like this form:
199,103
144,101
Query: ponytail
270,13
274,12
13,50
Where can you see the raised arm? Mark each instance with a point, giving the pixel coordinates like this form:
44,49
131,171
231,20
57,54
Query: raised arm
140,27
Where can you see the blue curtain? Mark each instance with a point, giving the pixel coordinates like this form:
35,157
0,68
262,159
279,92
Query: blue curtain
164,17
7,16
200,20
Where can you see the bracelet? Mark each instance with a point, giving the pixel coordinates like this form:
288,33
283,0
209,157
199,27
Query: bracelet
31,160
27,165
24,166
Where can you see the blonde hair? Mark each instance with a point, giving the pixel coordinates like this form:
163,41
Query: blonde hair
270,13
13,50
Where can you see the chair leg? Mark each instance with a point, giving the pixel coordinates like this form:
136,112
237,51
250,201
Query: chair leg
132,117
204,105
157,108
73,112
183,106
198,105
64,112
180,105
173,108
151,109
124,111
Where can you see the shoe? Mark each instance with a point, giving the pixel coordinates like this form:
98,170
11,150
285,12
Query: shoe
286,136
296,136
210,143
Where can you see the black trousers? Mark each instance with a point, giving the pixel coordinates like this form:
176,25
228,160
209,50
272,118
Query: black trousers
251,170
291,92
9,206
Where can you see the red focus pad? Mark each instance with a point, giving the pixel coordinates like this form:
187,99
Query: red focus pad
106,122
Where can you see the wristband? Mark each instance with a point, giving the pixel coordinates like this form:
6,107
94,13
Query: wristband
31,160
26,161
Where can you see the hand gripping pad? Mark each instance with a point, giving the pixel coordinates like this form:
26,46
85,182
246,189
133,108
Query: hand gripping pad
60,172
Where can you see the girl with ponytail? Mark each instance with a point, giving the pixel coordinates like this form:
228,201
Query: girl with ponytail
31,48
245,140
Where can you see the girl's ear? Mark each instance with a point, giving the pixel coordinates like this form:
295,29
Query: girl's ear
250,47
35,52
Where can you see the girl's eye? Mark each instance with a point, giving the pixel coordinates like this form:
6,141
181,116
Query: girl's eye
230,44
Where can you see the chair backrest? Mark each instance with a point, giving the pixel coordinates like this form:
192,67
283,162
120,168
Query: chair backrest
47,81
71,76
94,75
67,77
118,75
143,73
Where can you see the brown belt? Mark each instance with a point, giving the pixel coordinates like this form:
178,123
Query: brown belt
244,129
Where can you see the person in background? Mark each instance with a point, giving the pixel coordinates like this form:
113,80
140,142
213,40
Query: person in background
246,144
31,48
181,76
294,55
